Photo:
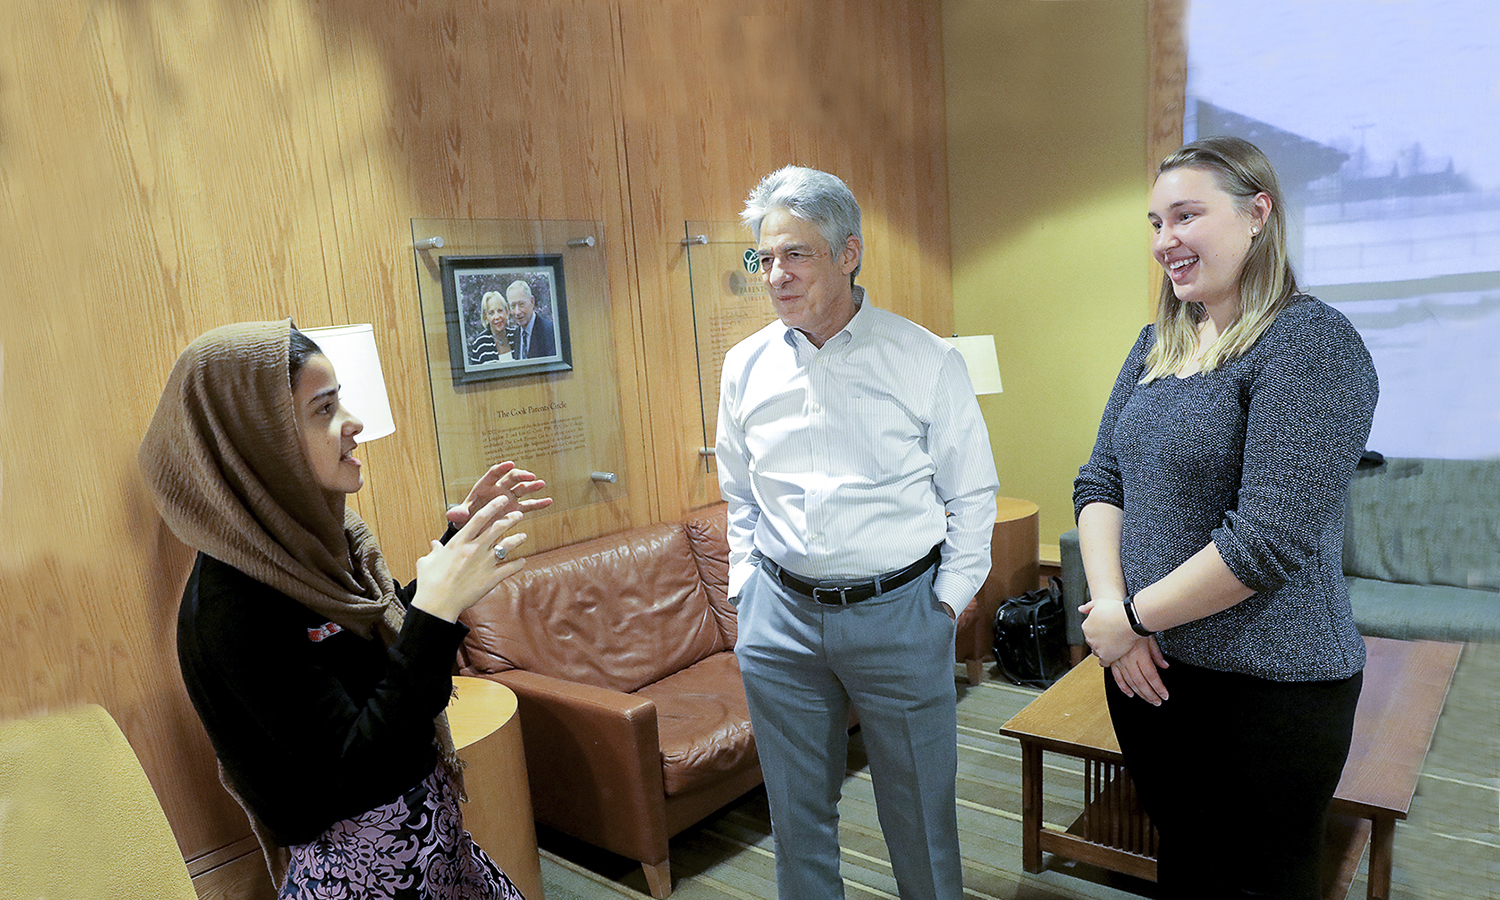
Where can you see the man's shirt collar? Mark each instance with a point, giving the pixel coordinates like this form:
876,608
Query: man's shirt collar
855,327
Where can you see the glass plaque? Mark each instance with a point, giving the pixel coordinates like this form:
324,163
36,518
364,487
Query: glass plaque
730,303
521,354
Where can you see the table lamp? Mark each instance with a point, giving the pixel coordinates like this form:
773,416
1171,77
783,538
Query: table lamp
979,355
356,362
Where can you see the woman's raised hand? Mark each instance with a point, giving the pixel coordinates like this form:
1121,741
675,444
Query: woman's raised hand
502,480
453,577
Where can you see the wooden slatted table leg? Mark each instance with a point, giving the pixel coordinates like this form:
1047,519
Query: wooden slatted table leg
1382,847
1031,807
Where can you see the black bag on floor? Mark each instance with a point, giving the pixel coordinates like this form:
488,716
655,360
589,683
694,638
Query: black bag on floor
1031,637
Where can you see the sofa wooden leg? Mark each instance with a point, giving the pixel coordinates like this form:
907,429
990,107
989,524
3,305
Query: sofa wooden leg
976,670
659,879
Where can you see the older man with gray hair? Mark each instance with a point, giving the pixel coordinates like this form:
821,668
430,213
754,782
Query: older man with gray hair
534,334
861,492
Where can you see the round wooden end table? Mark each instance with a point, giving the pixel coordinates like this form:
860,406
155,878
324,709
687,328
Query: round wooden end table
487,733
1014,570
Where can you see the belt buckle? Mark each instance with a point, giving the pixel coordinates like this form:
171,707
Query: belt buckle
840,591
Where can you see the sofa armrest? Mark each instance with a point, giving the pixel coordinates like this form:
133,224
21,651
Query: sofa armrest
593,759
1074,585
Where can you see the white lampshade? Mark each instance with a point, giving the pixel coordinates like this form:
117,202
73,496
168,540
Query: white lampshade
356,363
984,365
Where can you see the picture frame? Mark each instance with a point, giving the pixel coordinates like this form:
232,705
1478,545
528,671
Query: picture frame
481,292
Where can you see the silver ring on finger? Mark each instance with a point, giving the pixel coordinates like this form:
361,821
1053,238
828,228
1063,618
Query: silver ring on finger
500,552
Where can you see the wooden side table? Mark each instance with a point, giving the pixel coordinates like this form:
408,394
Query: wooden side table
1014,570
487,733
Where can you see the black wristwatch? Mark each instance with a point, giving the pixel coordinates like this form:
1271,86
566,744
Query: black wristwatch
1133,619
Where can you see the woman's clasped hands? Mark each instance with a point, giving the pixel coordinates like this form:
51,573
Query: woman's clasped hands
1133,660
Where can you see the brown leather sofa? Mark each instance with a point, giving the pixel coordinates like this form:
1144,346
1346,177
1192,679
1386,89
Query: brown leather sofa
620,652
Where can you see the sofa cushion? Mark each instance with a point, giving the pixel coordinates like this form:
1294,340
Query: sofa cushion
703,724
1424,612
616,612
1426,521
1075,587
706,532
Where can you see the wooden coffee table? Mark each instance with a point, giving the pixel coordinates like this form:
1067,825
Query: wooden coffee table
1405,685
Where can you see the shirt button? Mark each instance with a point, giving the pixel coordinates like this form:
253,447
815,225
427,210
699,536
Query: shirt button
816,408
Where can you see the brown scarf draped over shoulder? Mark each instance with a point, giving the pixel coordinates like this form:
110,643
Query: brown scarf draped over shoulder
226,469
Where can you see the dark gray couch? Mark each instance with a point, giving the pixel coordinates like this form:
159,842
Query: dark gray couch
1421,552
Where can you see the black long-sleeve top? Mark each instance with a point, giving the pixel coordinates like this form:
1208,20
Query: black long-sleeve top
312,724
1256,457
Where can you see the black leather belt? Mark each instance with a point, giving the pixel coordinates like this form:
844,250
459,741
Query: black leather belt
842,593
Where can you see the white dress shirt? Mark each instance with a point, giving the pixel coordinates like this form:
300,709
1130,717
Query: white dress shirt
857,458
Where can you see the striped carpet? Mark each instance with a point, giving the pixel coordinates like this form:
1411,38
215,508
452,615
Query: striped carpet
1448,850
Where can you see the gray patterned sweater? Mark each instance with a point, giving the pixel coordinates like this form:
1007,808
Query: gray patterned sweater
1256,457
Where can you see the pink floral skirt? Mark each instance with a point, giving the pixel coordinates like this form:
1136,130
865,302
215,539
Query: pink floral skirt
413,847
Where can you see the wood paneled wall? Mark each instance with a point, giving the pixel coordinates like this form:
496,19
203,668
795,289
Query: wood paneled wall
1166,31
717,97
170,165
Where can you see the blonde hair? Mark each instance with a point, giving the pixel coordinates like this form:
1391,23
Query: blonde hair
1267,284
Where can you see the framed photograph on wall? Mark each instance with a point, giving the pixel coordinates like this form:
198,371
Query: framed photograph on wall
506,315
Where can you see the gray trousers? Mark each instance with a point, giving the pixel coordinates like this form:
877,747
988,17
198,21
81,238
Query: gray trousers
803,664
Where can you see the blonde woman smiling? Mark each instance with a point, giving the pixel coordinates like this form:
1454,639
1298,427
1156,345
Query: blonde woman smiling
1210,519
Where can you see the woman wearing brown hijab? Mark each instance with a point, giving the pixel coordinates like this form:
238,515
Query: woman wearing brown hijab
321,682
